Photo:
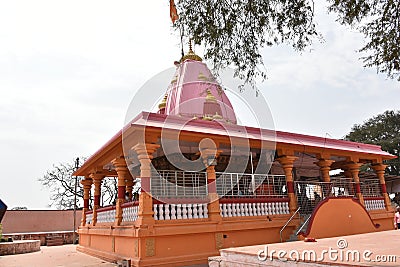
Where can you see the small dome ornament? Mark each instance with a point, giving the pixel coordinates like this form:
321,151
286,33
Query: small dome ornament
191,55
210,97
163,103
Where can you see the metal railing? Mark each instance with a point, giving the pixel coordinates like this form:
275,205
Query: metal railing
309,194
167,184
288,221
247,185
371,188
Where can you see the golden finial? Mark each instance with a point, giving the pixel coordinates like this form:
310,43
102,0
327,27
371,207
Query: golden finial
210,97
163,103
191,55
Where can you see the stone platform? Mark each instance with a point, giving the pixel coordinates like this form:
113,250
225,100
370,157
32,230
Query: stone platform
371,249
19,247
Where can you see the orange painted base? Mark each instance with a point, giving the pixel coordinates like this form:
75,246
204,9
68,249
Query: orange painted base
346,216
180,242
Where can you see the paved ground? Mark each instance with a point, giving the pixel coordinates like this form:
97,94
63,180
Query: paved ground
379,246
372,249
58,256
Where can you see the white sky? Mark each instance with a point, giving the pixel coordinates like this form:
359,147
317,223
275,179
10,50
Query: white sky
70,68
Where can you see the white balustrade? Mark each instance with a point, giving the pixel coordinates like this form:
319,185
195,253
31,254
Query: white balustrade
89,218
130,214
253,209
106,216
180,211
374,204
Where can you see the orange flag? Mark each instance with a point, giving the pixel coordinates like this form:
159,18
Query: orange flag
173,13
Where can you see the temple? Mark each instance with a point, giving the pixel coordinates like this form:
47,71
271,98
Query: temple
208,183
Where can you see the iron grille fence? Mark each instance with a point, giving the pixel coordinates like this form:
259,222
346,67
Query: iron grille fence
250,185
371,188
169,184
309,194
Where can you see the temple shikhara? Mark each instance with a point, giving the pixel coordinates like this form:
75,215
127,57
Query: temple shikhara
208,183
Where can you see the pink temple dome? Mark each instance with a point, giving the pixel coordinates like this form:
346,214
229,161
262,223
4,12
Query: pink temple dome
194,93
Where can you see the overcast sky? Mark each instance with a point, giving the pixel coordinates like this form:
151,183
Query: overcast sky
69,70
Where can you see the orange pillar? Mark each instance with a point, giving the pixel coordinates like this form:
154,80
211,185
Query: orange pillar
145,155
122,171
354,169
214,211
87,185
97,179
379,169
287,165
325,166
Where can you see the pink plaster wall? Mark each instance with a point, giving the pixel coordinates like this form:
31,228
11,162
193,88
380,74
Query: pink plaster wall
27,221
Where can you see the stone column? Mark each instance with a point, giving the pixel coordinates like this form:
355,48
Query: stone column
287,165
379,169
145,155
122,171
97,179
87,186
214,211
354,169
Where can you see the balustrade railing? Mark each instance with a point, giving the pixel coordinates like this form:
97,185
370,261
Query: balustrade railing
130,211
249,207
89,217
374,203
106,214
165,211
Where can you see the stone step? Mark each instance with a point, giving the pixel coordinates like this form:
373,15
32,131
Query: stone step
54,241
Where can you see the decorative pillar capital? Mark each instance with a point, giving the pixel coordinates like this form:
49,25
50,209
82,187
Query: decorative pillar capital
287,161
87,183
120,164
353,166
145,150
325,167
324,163
379,167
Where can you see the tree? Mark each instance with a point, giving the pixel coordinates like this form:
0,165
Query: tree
62,186
383,130
234,31
379,21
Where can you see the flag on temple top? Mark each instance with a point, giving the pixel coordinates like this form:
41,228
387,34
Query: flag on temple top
173,13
